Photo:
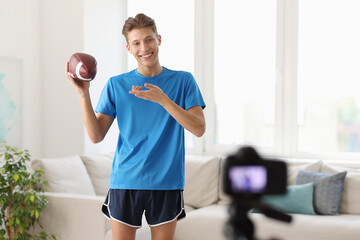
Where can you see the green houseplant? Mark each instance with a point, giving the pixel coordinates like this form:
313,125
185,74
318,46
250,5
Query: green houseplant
21,195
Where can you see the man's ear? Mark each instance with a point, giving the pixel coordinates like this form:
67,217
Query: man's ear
128,47
159,39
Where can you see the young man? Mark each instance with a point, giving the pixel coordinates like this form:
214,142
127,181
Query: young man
153,105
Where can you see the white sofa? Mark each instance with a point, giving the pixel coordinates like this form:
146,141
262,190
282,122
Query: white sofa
78,185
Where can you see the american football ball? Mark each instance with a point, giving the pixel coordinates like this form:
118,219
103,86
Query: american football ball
82,66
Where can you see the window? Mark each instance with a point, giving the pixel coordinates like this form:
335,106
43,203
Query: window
281,75
244,72
286,77
329,76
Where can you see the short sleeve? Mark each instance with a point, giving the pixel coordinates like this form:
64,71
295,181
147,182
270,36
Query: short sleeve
193,95
106,104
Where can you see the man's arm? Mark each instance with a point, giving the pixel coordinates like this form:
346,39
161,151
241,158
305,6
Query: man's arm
97,125
192,120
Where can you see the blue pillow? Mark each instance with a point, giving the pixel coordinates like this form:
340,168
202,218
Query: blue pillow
298,199
328,190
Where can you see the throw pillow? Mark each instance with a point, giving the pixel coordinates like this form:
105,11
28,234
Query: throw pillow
201,180
65,175
298,199
224,199
328,190
295,166
350,201
99,169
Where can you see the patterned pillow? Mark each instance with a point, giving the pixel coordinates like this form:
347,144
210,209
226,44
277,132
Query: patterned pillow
350,201
328,190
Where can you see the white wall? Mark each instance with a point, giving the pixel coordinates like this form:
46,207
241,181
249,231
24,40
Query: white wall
19,37
61,35
44,34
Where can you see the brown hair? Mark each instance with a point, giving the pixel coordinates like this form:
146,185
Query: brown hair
140,21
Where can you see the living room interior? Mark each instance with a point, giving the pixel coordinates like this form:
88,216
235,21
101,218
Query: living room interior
279,75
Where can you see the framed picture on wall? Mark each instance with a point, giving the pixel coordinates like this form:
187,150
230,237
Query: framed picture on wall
11,101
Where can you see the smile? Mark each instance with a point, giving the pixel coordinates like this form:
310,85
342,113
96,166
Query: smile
148,55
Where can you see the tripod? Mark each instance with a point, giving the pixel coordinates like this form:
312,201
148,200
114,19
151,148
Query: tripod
239,226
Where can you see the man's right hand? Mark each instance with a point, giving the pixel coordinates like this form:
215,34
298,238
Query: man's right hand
82,87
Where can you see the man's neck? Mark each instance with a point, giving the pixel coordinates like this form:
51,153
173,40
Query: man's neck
150,72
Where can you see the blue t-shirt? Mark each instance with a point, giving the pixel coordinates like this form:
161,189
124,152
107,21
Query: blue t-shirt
150,152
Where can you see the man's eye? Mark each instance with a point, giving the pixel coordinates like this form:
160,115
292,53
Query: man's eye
137,44
149,40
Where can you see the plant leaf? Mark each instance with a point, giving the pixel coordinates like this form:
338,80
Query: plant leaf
16,177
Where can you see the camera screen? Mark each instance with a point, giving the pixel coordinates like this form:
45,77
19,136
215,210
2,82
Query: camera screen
248,179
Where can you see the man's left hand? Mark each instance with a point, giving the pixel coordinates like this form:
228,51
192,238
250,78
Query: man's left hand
154,94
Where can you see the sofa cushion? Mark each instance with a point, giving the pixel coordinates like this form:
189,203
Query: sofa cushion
99,170
350,201
298,199
206,223
224,199
201,180
308,227
328,190
296,165
110,155
65,175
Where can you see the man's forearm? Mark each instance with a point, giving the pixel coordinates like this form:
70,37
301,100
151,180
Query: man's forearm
192,120
90,120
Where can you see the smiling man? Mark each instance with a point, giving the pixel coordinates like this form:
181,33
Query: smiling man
153,105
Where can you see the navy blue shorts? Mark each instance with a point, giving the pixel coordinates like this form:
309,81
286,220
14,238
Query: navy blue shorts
128,206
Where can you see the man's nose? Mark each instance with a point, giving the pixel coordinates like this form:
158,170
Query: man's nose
144,47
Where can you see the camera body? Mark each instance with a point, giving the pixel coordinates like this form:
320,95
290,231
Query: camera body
246,174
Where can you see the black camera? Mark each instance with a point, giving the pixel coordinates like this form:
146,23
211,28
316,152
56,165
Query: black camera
247,174
247,177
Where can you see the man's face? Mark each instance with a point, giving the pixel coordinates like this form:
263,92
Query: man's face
144,44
